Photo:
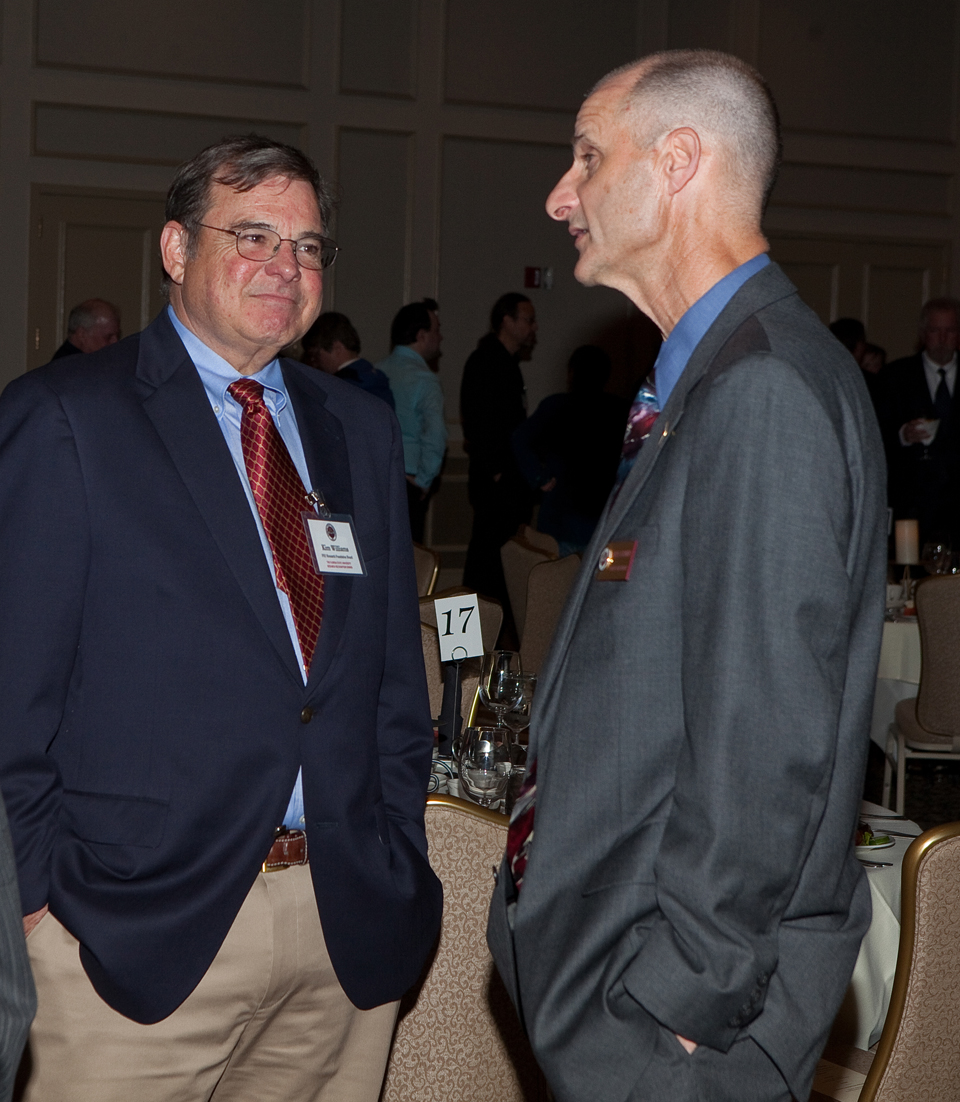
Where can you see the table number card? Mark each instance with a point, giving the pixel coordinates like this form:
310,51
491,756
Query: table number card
458,627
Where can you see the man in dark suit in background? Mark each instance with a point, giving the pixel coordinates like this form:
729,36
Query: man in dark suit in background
680,909
493,402
92,325
214,758
923,458
332,344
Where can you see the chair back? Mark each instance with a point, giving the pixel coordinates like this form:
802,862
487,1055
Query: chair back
458,1036
530,535
431,662
918,1056
491,614
547,589
518,559
938,613
427,564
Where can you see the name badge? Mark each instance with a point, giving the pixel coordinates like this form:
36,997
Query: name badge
333,544
616,561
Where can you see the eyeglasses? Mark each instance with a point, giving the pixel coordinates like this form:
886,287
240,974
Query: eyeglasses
261,245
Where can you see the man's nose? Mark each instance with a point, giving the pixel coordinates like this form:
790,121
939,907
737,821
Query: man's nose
563,198
284,261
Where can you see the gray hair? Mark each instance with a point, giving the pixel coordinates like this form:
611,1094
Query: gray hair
241,162
716,94
88,313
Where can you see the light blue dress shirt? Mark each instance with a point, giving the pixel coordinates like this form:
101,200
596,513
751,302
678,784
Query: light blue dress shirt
419,400
216,375
690,330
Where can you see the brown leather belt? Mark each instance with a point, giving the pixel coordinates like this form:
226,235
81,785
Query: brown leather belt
289,848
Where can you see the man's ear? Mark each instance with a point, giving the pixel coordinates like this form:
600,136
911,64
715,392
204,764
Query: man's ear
173,250
680,158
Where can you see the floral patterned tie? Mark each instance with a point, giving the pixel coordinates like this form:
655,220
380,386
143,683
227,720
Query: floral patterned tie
280,498
643,413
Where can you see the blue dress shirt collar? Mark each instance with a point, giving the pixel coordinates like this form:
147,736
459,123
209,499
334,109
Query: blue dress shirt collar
690,330
216,374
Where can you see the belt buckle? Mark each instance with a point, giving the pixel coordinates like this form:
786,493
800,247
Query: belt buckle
278,833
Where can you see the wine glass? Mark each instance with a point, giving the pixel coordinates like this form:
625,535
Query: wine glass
485,764
500,686
518,718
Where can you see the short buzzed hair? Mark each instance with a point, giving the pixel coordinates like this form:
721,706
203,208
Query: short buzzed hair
939,304
717,94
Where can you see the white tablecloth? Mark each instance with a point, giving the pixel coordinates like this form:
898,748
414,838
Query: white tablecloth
898,675
864,1008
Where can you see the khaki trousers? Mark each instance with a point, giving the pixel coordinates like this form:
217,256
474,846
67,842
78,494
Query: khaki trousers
268,1022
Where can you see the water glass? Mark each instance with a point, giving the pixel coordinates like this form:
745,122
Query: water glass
485,764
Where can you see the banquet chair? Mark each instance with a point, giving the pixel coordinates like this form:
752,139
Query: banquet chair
530,535
427,564
927,726
458,1038
918,1056
547,589
431,662
518,559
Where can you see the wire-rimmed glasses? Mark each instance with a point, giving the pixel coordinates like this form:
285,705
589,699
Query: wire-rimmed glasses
257,243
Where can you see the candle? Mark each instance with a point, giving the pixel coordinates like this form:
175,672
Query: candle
907,542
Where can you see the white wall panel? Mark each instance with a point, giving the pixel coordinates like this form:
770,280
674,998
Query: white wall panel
372,231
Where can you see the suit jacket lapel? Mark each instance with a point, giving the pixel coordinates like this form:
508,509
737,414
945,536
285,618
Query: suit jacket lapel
762,289
325,449
175,401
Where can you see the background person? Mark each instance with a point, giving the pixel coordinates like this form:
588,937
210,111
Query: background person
569,448
923,460
415,338
332,344
92,325
493,403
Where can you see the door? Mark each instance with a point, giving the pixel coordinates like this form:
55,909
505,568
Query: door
91,244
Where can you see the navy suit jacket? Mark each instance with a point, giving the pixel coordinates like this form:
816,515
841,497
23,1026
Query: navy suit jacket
152,712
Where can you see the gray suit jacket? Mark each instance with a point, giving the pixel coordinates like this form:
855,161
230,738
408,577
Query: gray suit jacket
701,729
18,1000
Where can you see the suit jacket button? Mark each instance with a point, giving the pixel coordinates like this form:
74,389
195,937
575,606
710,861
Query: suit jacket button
306,715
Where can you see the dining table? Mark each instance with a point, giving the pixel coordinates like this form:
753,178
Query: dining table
865,1004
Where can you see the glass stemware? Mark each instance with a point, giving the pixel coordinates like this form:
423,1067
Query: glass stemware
518,718
485,764
500,685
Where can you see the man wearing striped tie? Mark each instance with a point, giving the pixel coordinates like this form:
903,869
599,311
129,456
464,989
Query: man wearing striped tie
680,909
214,755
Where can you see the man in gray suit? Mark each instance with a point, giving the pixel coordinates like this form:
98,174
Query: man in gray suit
684,919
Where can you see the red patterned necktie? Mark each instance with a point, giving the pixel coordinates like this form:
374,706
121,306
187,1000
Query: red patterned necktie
643,413
280,499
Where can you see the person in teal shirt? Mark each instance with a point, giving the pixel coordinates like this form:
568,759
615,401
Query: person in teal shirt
415,337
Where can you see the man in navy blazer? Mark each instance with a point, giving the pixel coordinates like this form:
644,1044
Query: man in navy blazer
226,824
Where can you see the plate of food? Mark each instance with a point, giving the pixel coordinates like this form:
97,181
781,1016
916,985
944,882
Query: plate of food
867,841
